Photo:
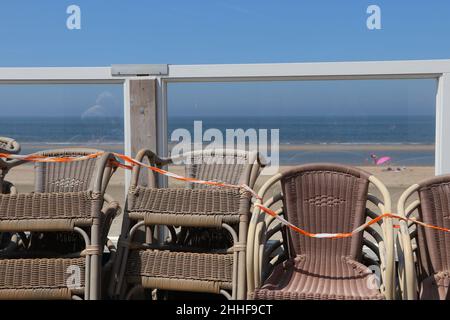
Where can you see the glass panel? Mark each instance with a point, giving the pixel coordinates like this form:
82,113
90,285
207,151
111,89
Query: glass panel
42,117
384,126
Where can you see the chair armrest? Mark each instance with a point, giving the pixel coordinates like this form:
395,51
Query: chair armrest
101,179
382,247
154,160
152,157
111,204
111,209
258,227
407,267
386,244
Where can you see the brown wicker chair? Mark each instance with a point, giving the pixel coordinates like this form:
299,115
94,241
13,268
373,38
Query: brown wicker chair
69,198
321,198
7,145
424,255
180,266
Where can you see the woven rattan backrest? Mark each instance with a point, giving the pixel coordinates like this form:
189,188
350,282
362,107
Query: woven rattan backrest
228,166
434,245
325,198
65,177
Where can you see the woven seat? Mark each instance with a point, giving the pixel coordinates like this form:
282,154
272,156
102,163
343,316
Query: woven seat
46,211
41,278
335,279
168,270
187,207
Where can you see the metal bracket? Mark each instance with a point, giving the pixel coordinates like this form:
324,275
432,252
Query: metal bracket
139,70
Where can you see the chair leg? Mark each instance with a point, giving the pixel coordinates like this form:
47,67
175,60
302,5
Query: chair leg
115,282
87,274
123,263
95,277
242,279
226,294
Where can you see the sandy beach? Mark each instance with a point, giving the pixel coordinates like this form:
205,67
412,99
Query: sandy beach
357,147
397,182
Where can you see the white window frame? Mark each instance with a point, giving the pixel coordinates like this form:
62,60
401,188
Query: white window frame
368,70
371,70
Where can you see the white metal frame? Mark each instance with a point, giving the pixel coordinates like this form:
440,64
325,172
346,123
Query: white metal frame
414,69
76,75
368,70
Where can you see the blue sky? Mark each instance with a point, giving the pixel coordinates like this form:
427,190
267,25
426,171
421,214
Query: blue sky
34,33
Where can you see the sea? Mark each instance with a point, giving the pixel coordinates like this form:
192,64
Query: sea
354,138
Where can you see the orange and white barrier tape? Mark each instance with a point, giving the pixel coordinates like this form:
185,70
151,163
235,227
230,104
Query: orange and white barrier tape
186,179
359,229
42,158
133,162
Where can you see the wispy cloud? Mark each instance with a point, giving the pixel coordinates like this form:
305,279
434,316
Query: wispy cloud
105,105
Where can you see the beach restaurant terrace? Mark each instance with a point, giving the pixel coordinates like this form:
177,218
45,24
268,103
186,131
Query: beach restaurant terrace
70,197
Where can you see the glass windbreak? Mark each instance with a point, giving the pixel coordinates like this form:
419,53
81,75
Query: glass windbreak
60,116
44,117
386,127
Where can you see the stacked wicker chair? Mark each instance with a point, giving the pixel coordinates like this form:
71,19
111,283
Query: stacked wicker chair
321,198
69,206
424,255
176,263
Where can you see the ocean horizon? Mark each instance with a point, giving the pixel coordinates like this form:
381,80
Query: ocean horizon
344,131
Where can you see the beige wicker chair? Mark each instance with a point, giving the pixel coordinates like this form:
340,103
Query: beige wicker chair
321,198
69,198
424,255
179,266
72,177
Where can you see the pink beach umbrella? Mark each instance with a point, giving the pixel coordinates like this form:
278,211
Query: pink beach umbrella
380,161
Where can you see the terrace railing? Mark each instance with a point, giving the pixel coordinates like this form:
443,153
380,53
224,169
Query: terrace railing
145,89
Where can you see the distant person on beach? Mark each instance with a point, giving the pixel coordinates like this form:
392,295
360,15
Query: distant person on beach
384,161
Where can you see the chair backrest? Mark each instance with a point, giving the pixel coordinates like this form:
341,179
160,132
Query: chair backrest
325,198
229,166
65,177
434,253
